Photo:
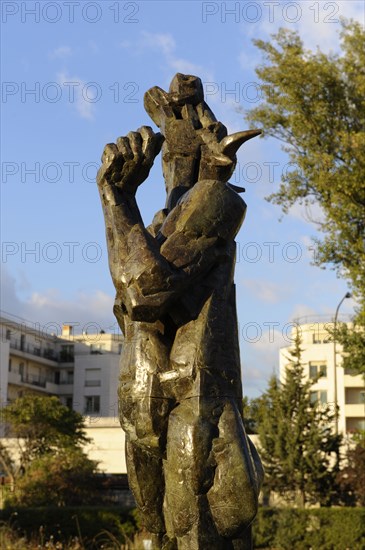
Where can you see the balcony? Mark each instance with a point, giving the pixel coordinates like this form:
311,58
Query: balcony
63,388
22,349
41,382
34,380
14,378
28,380
353,380
355,410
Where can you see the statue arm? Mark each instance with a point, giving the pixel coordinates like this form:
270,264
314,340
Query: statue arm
150,273
144,280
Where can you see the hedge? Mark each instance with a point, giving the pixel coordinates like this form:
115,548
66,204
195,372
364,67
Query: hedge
314,528
273,528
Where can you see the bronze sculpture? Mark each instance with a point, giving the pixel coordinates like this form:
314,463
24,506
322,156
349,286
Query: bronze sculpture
194,473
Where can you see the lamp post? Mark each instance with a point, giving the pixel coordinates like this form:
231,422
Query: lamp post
347,295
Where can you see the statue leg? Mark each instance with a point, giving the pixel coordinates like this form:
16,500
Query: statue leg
233,498
144,412
144,420
209,469
146,481
189,473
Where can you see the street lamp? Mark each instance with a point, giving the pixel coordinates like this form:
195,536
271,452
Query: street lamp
347,295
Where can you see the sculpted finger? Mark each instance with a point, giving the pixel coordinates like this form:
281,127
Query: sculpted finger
109,153
125,148
135,141
152,142
157,105
109,160
147,135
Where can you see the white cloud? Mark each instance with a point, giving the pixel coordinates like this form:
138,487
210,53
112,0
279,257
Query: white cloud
312,213
318,24
60,53
266,291
79,96
51,307
302,311
261,361
161,41
166,45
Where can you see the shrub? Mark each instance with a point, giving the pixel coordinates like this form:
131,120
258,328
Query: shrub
315,528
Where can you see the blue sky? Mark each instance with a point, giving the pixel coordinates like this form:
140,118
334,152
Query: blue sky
74,75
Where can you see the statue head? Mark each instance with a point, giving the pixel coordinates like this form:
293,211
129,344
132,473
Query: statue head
196,145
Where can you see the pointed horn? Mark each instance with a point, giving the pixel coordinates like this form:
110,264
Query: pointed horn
230,144
222,160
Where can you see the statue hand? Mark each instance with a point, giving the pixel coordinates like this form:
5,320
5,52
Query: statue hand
193,134
126,164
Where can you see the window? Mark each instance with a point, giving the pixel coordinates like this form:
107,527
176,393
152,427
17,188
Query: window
22,342
355,424
92,377
48,353
92,404
97,348
21,371
8,334
69,402
321,337
67,353
9,364
354,396
318,397
317,370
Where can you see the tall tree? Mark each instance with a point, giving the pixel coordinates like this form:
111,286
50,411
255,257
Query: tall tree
351,479
43,424
297,443
314,103
43,457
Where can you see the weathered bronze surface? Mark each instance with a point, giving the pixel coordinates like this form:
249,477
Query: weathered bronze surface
194,473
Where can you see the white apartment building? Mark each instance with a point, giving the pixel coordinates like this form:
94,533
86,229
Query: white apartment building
81,369
318,358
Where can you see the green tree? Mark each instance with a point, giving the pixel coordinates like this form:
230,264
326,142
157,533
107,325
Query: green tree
65,477
42,424
43,455
315,105
250,407
351,479
297,444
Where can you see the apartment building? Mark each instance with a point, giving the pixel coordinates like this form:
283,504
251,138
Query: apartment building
34,361
81,369
322,357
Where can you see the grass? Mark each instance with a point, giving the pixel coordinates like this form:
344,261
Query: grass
11,539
